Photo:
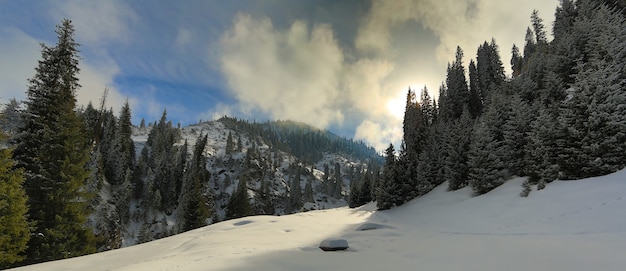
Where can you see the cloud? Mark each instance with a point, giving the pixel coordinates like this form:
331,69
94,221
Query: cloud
94,78
379,135
19,53
290,74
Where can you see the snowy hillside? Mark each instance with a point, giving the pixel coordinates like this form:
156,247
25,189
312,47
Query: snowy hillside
570,225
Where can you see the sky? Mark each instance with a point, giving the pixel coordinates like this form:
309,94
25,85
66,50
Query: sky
341,65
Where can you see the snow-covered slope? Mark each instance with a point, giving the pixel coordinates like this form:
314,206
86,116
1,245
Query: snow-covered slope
570,225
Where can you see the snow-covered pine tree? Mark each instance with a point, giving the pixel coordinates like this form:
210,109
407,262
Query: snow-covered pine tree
457,145
475,101
490,70
487,158
515,134
486,167
387,192
457,92
541,149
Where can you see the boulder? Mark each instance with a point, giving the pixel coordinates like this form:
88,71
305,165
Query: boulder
334,244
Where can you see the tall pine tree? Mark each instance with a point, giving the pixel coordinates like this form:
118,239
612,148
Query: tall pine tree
53,149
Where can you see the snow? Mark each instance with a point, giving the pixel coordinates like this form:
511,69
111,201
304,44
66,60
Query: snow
570,225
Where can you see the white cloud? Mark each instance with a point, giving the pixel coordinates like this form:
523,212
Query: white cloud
292,74
379,134
94,78
18,58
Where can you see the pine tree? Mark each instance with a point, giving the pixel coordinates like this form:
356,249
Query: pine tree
486,166
53,150
197,201
355,193
530,45
429,110
540,32
490,70
229,144
338,182
515,134
308,192
239,203
457,94
14,229
516,61
11,117
124,147
387,192
488,157
541,150
457,145
475,101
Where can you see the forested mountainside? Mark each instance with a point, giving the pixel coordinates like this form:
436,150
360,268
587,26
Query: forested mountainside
193,176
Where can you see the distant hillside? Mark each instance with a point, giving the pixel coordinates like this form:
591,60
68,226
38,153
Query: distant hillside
271,168
305,142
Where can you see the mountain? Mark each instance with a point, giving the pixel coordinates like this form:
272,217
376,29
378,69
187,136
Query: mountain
569,225
271,168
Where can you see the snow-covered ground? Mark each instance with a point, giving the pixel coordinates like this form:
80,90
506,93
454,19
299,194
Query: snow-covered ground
570,225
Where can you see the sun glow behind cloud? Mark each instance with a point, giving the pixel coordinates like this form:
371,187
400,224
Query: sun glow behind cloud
396,105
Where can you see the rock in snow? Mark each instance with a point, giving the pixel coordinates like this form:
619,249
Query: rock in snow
334,244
